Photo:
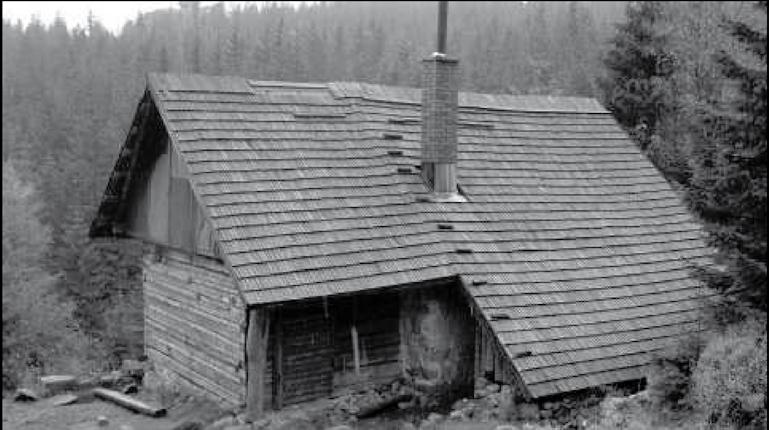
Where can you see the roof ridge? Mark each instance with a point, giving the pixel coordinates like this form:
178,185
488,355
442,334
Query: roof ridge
470,99
195,82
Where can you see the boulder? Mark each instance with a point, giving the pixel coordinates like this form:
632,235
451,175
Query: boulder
528,412
427,425
260,424
25,395
297,424
492,388
223,423
485,416
188,424
459,404
434,417
102,421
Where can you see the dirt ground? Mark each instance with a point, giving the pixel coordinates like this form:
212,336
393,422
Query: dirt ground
43,415
83,415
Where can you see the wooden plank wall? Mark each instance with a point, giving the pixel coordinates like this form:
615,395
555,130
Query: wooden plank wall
316,348
490,360
194,322
376,320
148,218
306,348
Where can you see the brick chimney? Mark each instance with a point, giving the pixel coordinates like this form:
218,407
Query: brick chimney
440,86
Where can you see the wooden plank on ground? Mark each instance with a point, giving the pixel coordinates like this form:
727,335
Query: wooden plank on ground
129,402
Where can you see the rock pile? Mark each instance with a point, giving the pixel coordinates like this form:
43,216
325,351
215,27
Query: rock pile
371,399
490,402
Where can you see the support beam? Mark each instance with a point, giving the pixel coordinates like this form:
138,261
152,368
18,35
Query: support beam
256,354
354,335
355,348
277,364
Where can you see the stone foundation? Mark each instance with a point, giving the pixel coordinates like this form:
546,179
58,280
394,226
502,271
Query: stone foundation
437,342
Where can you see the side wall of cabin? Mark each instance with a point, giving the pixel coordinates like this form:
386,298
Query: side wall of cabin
193,324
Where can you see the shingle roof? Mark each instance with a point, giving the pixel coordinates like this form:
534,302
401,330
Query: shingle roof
580,248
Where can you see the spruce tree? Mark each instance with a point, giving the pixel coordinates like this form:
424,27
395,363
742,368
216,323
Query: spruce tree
638,90
729,183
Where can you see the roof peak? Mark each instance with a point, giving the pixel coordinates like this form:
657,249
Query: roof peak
373,92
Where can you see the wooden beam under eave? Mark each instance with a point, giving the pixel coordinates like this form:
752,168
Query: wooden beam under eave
256,354
355,348
277,363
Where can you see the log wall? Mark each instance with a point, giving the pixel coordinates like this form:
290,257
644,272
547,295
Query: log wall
194,322
375,318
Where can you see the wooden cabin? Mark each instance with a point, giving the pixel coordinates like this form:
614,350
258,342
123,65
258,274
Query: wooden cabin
309,238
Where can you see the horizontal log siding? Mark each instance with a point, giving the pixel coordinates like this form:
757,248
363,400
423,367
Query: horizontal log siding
307,347
376,320
194,319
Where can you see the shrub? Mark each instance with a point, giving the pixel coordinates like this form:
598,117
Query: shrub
39,331
669,373
729,381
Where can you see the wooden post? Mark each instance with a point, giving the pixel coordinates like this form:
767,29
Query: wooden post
277,365
256,354
354,335
355,348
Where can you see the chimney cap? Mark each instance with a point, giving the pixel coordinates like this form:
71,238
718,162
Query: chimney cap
441,58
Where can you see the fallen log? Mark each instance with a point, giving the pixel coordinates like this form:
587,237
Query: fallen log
129,402
372,409
64,399
55,384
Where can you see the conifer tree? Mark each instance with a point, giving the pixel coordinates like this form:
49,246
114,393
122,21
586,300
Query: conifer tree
729,182
638,90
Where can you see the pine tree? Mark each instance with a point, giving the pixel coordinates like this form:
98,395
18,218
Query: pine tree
638,90
729,184
233,55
